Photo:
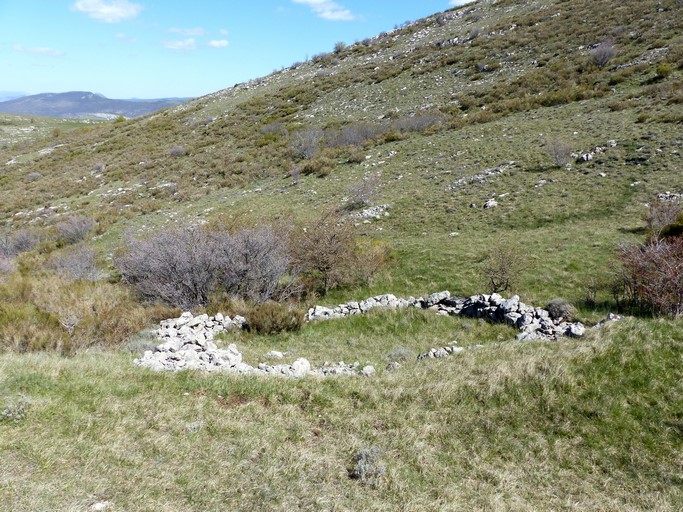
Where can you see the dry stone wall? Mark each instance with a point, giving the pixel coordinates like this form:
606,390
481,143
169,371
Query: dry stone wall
533,323
187,344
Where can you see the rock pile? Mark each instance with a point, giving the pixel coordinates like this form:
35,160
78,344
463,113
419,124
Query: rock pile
534,323
187,345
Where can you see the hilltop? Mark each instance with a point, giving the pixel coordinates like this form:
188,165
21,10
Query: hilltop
540,130
82,105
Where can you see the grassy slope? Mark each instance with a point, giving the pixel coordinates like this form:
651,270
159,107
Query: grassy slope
593,424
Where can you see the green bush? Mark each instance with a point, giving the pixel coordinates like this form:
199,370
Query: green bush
273,317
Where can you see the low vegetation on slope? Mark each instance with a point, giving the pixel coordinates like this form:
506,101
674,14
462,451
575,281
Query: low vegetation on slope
529,147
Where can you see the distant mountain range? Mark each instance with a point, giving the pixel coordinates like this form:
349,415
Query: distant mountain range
83,105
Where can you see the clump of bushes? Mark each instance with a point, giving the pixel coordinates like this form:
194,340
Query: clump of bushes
651,278
185,266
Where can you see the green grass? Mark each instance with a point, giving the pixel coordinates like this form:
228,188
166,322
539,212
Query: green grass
592,424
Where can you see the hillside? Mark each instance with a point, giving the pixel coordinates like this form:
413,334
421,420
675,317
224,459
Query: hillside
539,129
82,105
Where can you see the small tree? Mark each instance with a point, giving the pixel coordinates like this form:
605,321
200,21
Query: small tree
324,252
362,192
503,266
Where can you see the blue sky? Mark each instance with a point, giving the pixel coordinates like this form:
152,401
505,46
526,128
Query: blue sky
167,48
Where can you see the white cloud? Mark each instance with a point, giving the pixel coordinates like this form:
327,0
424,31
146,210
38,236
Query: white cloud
328,10
197,31
219,43
460,2
108,11
48,52
183,45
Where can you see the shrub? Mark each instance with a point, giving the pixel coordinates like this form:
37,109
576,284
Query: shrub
23,240
652,276
272,318
320,166
6,266
603,53
339,46
79,263
661,214
74,229
306,143
561,309
184,267
559,151
327,255
177,267
503,266
361,193
253,265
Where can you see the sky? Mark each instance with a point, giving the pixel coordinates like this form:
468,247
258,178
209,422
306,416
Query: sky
178,48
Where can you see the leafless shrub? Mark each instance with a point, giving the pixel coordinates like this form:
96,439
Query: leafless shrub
339,46
74,229
652,276
6,267
14,243
361,193
295,173
275,128
33,176
177,267
78,263
661,214
473,33
417,122
603,53
503,266
355,134
306,143
253,264
559,151
185,266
